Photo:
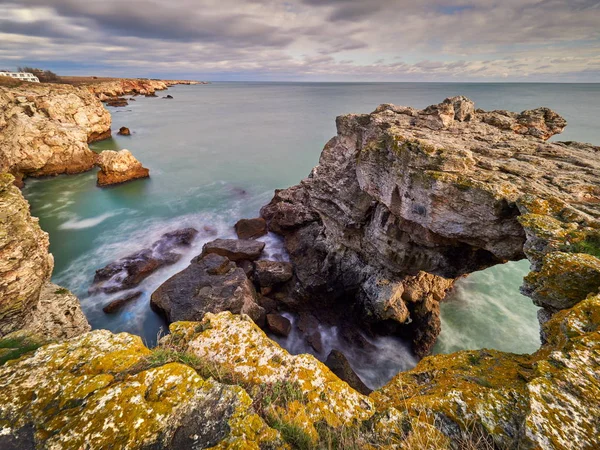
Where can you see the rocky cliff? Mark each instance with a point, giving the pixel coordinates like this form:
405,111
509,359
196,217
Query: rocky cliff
29,303
45,129
118,87
404,201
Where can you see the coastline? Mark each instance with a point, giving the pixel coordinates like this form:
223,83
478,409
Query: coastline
524,374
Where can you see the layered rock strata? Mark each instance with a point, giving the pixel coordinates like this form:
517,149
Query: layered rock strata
28,301
403,201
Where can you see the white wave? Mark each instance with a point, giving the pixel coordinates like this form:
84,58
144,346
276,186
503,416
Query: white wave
78,224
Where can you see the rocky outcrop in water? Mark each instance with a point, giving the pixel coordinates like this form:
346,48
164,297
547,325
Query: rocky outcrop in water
211,283
251,228
235,249
118,87
131,270
394,210
119,167
29,303
45,129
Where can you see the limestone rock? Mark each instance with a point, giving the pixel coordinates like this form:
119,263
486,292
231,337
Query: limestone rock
211,283
402,192
98,391
45,129
271,273
119,167
251,228
235,249
131,270
548,400
235,345
117,102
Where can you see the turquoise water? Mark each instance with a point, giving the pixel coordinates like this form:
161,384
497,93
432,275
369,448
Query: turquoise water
216,153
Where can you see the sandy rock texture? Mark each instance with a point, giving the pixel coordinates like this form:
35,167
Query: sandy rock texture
28,301
119,167
45,129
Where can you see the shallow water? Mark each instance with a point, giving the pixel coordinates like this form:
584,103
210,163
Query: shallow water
216,153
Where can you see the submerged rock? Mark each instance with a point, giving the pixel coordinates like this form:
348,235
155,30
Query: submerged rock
131,270
235,249
211,283
119,167
251,228
120,302
124,131
116,102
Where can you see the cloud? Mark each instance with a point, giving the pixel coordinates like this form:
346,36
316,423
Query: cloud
308,39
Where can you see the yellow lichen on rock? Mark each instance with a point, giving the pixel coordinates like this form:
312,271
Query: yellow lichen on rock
96,391
234,344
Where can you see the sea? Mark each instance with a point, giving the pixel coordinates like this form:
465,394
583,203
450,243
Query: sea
217,152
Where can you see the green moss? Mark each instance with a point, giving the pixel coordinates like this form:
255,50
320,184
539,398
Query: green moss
15,348
293,434
590,244
61,291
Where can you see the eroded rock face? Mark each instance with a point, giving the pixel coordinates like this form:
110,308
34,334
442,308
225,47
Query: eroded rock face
28,301
211,283
45,129
97,391
131,270
402,192
119,167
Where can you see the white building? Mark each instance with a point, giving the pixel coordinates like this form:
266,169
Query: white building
25,76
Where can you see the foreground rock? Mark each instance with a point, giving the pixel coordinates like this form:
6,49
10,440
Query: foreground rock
131,270
237,346
100,391
119,167
394,211
211,283
28,301
251,228
45,129
235,249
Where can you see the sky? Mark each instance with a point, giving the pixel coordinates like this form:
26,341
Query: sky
307,40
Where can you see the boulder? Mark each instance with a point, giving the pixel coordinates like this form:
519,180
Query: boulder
116,305
235,249
251,228
168,96
124,131
279,325
211,283
338,363
271,273
131,270
119,167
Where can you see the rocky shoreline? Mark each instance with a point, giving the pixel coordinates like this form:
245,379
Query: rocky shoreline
403,202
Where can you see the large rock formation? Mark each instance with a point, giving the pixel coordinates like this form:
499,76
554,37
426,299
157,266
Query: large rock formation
45,129
119,167
404,201
117,87
101,391
28,301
